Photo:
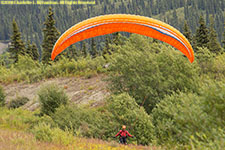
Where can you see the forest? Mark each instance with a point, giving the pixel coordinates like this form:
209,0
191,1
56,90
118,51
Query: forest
30,18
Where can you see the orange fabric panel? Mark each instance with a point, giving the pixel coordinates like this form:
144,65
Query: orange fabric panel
127,23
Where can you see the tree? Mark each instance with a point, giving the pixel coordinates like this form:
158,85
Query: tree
187,32
28,50
50,36
84,49
94,51
34,50
17,45
175,18
148,84
74,52
224,38
213,45
117,38
106,49
202,35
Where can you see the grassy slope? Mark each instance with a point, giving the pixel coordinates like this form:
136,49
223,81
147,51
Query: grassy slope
20,140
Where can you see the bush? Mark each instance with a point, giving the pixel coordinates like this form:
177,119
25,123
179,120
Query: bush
126,111
44,132
84,122
2,97
150,72
51,97
18,102
181,116
20,119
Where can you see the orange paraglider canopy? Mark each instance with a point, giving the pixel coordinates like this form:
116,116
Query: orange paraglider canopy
107,24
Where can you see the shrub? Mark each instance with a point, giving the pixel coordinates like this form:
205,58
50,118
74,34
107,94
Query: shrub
126,111
44,132
84,122
51,97
21,119
2,97
205,59
18,102
181,116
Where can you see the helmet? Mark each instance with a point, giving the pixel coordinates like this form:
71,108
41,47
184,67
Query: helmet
123,127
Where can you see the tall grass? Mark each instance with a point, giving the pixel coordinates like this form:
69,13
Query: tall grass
30,71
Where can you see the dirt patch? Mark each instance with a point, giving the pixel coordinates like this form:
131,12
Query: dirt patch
79,89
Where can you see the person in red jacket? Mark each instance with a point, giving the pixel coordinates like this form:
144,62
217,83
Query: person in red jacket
123,135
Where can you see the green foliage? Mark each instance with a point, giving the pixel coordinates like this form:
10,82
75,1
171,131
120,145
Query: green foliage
106,49
187,32
6,60
202,35
84,122
32,50
105,122
26,63
127,112
2,97
44,132
17,46
51,34
181,116
149,71
18,102
26,69
213,96
94,51
211,65
224,39
84,49
205,59
51,97
203,142
218,68
214,45
20,119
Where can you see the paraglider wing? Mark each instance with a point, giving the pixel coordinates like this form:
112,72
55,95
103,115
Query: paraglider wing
108,24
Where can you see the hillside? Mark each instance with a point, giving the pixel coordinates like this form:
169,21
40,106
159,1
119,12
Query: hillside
79,89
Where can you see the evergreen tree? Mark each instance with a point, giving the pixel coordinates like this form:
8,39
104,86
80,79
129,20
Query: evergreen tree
224,38
213,45
28,50
94,51
187,32
84,49
17,46
34,50
117,38
71,52
50,36
106,49
202,35
175,18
